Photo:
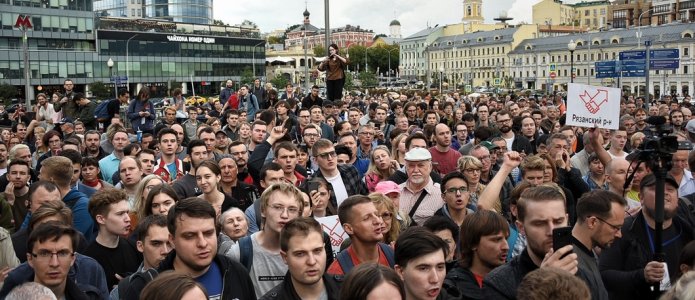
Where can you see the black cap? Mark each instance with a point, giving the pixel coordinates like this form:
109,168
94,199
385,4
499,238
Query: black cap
650,180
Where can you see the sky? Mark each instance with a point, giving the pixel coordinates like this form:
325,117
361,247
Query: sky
414,15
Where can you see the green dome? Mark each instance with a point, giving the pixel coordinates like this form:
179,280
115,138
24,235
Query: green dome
395,22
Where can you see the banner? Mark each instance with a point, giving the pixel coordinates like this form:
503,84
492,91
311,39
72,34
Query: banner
593,105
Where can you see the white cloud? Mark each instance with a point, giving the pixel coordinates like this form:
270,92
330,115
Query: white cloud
376,15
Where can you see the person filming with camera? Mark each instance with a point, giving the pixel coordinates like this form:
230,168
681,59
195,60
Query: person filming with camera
334,66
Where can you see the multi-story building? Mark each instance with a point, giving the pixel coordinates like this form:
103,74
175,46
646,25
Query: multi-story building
476,58
627,13
553,12
414,61
593,15
68,42
342,36
185,11
532,59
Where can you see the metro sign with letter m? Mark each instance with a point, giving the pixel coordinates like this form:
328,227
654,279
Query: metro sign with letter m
23,22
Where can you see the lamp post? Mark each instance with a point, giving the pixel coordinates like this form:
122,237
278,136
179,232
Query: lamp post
127,62
253,58
389,71
115,82
441,74
571,46
639,29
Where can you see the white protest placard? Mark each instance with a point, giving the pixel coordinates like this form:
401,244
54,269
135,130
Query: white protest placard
331,225
593,105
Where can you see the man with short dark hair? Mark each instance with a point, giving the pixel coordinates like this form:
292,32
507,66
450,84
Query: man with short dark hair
302,249
483,248
313,98
518,143
186,185
109,164
361,221
92,146
600,216
539,209
191,224
118,256
169,167
420,258
343,178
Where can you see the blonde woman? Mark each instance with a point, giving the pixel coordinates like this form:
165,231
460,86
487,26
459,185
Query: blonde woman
471,167
388,212
141,193
381,167
399,145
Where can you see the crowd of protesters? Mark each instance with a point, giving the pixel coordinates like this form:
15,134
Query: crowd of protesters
441,197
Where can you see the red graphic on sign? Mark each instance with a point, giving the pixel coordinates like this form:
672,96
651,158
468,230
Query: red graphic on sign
23,22
593,103
336,239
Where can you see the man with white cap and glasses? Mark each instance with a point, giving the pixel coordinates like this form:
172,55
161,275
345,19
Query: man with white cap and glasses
420,196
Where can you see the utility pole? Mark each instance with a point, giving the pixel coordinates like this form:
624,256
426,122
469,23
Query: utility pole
648,45
24,24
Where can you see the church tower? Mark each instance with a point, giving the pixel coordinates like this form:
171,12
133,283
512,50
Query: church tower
395,29
473,11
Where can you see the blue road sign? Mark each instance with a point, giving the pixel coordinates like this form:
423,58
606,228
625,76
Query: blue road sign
664,64
664,53
634,54
636,73
606,69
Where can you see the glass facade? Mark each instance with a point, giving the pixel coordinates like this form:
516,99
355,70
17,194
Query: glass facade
79,5
73,44
186,11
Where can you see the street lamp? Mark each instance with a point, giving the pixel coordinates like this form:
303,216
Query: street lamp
571,46
253,58
127,61
115,82
389,71
639,29
441,74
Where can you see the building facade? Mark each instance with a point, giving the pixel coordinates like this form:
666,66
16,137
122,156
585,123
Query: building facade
67,41
414,61
183,11
532,60
477,58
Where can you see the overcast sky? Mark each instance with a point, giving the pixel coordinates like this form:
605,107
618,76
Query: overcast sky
414,15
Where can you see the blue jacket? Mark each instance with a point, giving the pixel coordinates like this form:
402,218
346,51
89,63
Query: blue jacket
85,272
135,107
81,219
251,108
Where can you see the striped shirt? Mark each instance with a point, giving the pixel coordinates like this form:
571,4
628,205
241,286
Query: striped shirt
432,202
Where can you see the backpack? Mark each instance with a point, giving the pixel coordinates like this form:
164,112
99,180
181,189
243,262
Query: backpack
345,260
246,252
101,113
129,286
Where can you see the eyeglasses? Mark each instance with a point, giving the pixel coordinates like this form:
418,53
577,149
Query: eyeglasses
386,215
327,155
453,190
314,135
615,227
366,133
279,209
47,255
472,170
504,121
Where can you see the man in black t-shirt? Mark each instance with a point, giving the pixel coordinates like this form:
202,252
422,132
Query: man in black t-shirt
118,256
186,186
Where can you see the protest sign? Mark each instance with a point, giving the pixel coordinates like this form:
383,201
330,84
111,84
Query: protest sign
588,106
331,225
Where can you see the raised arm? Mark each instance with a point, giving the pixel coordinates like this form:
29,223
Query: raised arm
489,199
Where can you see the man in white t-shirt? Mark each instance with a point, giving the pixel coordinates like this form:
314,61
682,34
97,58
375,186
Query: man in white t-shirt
343,178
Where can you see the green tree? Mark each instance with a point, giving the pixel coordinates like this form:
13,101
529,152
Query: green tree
349,83
219,23
368,79
279,82
7,92
100,90
276,40
319,51
247,76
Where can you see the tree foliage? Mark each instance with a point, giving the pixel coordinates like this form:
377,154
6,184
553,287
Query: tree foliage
247,76
368,79
320,51
219,23
276,40
279,82
7,92
100,90
377,58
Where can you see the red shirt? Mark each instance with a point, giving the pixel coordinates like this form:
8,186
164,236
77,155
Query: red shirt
445,162
336,269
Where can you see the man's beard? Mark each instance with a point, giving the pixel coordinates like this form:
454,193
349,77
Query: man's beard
505,129
668,214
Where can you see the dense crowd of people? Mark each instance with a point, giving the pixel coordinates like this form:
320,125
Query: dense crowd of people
440,197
